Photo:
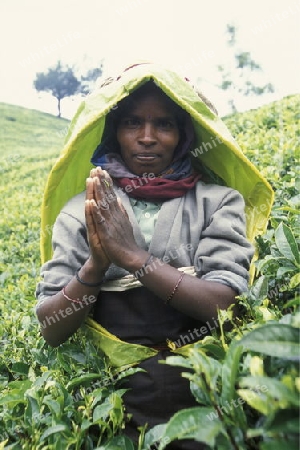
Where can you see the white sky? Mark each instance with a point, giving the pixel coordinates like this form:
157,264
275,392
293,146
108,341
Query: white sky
187,35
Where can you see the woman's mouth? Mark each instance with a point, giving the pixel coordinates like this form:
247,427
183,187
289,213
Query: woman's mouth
142,157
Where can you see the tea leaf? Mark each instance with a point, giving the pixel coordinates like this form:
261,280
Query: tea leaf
273,339
185,425
286,243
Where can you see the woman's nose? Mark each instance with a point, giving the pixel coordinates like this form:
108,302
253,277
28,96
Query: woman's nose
147,135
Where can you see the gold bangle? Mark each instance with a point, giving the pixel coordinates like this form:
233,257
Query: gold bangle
175,289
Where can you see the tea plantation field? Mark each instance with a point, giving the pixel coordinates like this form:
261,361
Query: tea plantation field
246,379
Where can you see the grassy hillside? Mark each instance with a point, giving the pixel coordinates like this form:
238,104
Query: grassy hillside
47,391
30,141
27,130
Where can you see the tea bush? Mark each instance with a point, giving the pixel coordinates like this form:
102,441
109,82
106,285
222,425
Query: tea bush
245,377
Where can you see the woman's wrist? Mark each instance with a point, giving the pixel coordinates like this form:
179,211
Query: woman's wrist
136,261
90,272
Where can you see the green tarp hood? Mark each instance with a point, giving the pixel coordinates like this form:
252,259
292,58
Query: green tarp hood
215,148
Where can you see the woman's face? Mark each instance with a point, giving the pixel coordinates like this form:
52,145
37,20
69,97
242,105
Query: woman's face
148,135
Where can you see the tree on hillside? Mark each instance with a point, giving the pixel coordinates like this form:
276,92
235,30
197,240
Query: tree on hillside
236,75
60,81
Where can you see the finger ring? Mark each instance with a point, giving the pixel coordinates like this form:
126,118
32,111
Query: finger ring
106,183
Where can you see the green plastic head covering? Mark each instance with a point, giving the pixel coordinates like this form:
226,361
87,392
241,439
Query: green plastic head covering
215,147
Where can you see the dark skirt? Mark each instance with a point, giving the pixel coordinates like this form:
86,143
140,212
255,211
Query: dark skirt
155,396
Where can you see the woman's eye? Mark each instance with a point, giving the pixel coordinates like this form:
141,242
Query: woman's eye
166,124
131,122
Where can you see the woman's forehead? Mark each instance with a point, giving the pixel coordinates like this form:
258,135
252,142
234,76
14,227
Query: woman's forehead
153,103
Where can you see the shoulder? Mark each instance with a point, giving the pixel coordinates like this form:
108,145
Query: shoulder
211,199
216,194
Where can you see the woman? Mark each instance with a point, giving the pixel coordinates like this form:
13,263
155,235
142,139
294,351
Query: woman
158,247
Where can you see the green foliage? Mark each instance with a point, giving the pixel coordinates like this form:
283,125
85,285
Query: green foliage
245,401
245,379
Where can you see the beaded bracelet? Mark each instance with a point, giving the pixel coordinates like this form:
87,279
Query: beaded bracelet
69,298
175,289
85,283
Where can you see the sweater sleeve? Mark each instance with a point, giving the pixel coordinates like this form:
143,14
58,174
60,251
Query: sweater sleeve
70,251
224,254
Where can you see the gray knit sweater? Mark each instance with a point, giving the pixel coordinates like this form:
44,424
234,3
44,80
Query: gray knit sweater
204,229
